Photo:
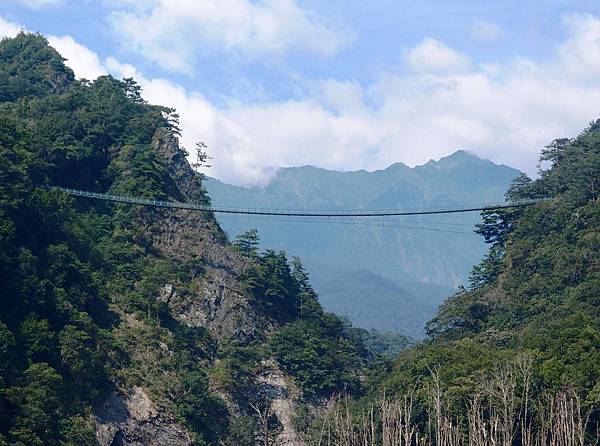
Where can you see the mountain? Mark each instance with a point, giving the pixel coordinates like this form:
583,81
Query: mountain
374,302
132,325
387,278
514,359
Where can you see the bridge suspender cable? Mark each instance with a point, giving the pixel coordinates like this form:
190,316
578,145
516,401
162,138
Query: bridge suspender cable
295,213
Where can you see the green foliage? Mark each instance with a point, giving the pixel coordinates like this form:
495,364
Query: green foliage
7,343
574,167
309,307
387,344
495,228
77,430
247,243
488,270
29,67
139,172
460,315
242,432
64,263
205,414
536,291
273,287
82,360
38,400
236,371
322,354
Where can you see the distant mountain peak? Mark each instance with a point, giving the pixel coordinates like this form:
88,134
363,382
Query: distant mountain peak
460,155
461,159
398,165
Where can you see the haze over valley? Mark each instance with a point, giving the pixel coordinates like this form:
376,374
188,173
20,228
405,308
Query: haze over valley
390,274
200,232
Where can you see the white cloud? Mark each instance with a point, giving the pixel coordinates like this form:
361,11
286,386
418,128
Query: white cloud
8,29
121,70
84,62
486,32
341,96
581,52
169,32
502,111
39,4
505,112
432,56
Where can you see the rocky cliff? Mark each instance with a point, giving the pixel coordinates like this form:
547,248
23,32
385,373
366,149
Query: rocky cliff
129,325
214,298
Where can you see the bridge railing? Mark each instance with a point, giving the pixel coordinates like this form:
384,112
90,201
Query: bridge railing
294,212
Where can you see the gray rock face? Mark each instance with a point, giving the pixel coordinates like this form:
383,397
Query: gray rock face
282,397
132,419
187,181
215,298
219,301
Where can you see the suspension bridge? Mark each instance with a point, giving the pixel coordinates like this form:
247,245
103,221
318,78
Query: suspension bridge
296,212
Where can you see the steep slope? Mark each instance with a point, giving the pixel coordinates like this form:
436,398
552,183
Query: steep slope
130,325
431,261
538,286
515,359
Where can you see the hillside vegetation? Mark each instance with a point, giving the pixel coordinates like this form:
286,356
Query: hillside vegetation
514,359
127,325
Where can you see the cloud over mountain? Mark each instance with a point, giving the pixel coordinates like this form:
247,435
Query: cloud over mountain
439,100
169,32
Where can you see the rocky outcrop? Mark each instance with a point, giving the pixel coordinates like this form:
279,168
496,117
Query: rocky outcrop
217,304
186,179
217,300
132,419
282,396
214,297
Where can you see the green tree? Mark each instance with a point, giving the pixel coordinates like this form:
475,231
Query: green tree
29,67
321,355
308,305
247,243
273,287
37,401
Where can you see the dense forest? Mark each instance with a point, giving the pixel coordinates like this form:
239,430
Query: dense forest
81,313
104,306
515,358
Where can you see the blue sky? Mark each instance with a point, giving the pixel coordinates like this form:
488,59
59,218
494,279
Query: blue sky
341,84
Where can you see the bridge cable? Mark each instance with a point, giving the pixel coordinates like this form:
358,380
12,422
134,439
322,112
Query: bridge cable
295,213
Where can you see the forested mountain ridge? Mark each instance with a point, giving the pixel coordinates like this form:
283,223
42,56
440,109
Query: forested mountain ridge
387,274
123,325
515,358
538,287
129,325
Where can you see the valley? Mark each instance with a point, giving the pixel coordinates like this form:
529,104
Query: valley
134,325
388,275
